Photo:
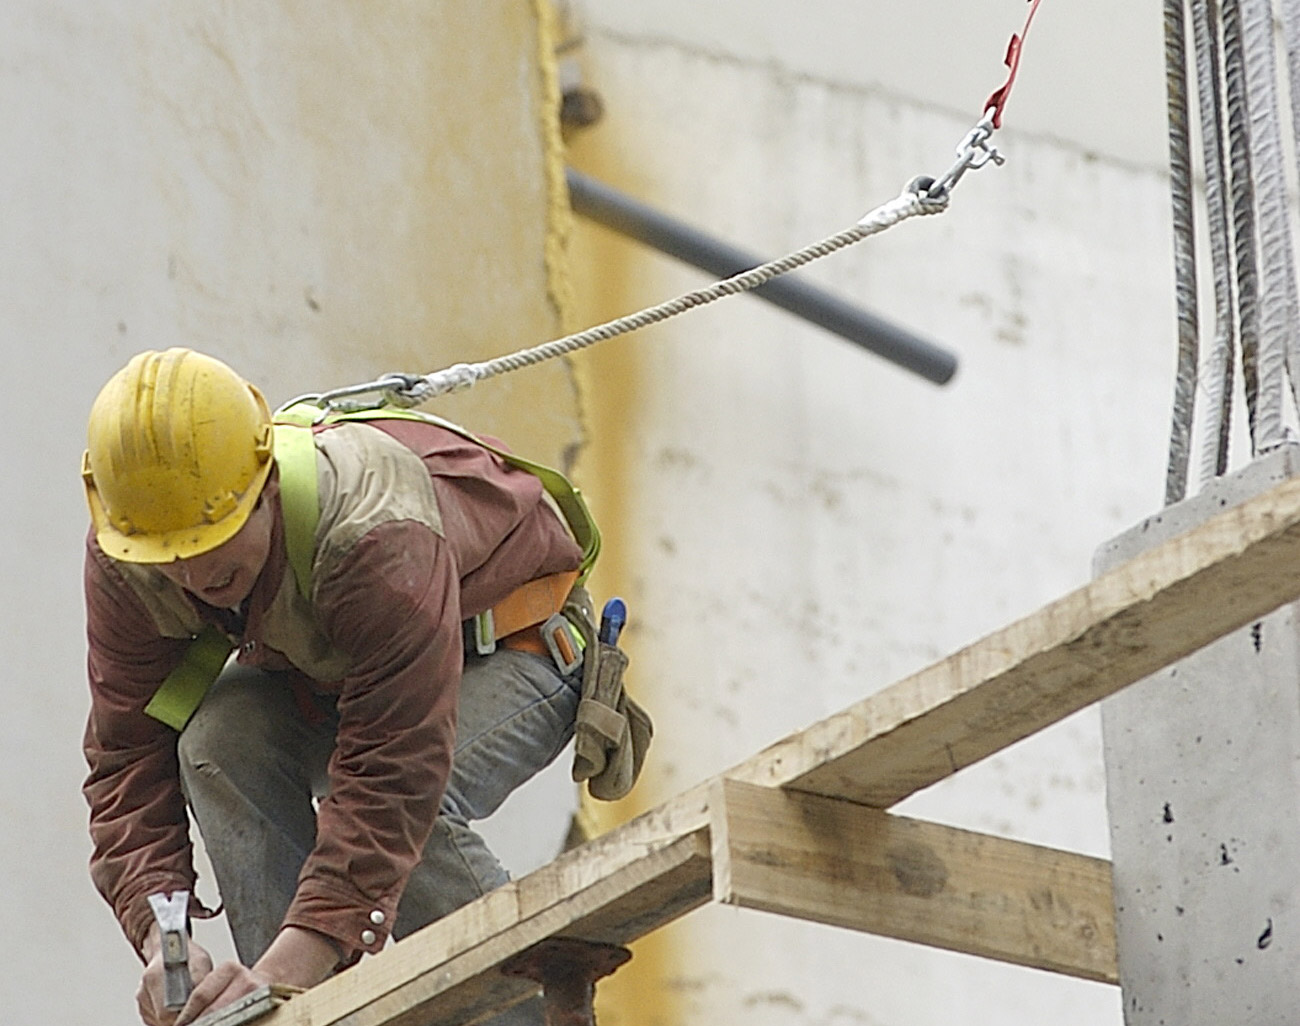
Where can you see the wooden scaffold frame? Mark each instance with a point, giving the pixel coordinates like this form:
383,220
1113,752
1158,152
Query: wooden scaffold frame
802,827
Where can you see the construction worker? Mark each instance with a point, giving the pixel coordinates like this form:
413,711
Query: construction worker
334,766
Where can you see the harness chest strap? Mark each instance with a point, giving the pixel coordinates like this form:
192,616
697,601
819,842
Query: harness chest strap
183,689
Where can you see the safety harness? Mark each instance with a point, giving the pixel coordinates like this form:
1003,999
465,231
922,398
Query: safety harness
539,603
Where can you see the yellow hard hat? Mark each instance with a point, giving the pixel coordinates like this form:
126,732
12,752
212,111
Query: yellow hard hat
179,447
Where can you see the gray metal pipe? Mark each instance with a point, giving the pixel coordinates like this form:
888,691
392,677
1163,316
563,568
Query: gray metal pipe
621,213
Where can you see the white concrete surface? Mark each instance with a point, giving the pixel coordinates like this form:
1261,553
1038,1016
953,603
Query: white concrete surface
1092,75
1201,779
798,523
810,524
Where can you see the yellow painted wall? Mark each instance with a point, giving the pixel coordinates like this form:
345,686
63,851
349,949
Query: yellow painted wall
608,273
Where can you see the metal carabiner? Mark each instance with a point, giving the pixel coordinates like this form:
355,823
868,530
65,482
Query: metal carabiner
386,386
973,153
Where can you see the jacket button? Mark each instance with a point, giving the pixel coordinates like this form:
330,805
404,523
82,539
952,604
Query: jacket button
377,917
367,937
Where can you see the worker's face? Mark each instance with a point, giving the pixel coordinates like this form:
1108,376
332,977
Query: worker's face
225,575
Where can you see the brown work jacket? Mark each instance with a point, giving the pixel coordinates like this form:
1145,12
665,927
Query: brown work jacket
420,529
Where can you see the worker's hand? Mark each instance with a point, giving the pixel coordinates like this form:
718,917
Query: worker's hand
149,998
297,957
228,982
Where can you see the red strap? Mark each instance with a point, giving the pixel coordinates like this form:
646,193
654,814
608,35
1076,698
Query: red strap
998,100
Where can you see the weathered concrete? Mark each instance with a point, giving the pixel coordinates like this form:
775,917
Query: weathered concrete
796,524
1202,772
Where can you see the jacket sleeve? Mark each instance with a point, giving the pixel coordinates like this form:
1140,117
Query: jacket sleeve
138,822
393,605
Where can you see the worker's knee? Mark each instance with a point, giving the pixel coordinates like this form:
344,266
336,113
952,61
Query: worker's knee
237,722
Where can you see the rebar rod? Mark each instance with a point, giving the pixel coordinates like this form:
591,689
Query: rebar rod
1216,376
1279,309
1291,35
1243,210
1180,188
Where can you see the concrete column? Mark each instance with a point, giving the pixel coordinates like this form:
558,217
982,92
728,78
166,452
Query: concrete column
1203,781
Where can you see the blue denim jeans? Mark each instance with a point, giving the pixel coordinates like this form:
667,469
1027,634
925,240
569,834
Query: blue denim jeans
251,765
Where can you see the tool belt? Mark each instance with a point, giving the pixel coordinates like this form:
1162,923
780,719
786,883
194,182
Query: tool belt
552,617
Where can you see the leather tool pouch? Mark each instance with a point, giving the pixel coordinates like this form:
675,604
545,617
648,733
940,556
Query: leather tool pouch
612,732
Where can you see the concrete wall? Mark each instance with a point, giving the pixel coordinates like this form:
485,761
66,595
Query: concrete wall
321,193
316,193
797,524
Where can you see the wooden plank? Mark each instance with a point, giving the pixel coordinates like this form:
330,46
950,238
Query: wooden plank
831,861
1144,615
613,889
1134,620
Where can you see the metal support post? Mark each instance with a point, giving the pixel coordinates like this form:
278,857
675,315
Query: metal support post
568,970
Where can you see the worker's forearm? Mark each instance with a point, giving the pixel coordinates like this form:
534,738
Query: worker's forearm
298,957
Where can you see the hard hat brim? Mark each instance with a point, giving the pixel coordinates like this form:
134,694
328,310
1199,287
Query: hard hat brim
169,546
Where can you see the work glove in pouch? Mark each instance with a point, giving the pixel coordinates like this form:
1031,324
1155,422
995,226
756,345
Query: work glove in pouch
612,732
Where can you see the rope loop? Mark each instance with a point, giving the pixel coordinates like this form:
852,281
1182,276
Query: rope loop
455,378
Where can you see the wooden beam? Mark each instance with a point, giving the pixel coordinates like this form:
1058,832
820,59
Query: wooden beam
614,889
831,861
1140,617
1123,626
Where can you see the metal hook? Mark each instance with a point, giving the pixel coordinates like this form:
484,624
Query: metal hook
973,153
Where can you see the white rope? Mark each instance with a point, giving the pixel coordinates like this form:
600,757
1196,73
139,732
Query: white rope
462,375
921,196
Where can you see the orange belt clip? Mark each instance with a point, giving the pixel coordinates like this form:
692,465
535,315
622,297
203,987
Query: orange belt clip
563,642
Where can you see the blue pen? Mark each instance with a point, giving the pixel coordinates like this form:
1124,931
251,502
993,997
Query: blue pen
612,619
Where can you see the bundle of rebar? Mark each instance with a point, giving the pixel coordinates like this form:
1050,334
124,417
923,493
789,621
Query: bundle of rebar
1247,220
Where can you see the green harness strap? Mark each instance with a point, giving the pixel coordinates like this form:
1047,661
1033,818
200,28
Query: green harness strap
295,456
183,689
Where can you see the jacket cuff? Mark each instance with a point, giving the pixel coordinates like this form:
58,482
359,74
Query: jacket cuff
356,924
